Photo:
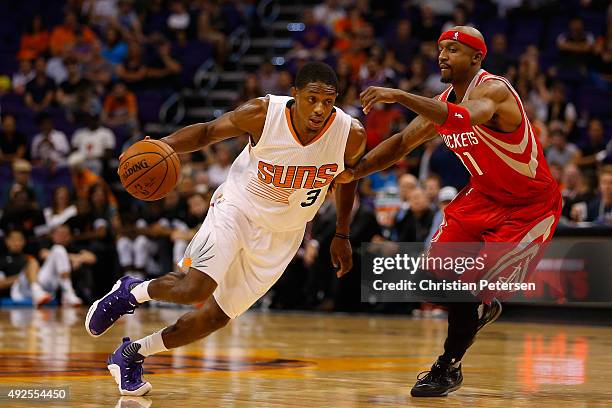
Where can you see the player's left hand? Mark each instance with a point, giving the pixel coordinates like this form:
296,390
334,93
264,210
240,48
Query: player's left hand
374,95
341,255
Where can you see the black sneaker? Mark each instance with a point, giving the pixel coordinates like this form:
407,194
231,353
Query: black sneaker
439,381
488,313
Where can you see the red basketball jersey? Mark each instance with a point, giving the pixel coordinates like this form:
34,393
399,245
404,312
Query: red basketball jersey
508,167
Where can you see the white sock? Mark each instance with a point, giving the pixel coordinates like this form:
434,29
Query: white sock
141,292
66,285
35,286
152,344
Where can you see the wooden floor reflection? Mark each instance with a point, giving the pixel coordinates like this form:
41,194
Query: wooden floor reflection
304,360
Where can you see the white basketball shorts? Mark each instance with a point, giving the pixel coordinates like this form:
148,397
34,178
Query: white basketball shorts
245,259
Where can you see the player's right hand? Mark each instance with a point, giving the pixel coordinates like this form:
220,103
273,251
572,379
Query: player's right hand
345,177
374,95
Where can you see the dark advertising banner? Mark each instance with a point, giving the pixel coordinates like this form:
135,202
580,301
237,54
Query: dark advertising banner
561,272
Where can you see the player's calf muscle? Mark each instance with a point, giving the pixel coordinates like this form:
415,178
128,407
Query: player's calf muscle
194,326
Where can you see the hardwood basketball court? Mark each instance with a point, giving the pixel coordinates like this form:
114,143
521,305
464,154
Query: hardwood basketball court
306,360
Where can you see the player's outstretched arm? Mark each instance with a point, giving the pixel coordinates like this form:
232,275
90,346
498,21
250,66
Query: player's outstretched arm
249,117
341,252
483,103
391,150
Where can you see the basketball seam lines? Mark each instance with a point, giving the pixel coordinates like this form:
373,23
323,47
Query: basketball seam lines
161,183
156,164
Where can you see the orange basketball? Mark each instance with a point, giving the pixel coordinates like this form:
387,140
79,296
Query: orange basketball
149,169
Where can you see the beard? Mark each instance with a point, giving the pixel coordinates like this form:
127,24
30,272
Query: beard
446,80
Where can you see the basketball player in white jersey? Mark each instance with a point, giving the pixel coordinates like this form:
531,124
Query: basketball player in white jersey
256,220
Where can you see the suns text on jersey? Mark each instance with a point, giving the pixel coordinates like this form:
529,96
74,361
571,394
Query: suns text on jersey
296,176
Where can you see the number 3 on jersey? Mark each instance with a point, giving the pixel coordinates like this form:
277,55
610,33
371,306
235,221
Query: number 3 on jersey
311,196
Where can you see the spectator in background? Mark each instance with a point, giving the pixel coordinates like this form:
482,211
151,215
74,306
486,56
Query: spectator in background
560,151
268,78
602,67
417,78
498,61
19,272
100,13
576,194
128,21
218,171
560,109
82,178
95,142
65,36
209,34
315,37
329,13
61,209
178,19
41,89
414,226
133,71
600,208
592,147
427,27
348,29
163,70
445,196
373,73
22,180
406,183
531,82
56,66
13,143
50,148
22,212
98,70
114,49
354,56
575,45
58,265
431,186
403,46
35,41
68,89
23,76
120,107
155,17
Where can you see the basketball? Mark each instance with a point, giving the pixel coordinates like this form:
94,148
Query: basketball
149,169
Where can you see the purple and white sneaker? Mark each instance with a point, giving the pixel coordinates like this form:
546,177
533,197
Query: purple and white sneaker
106,311
125,365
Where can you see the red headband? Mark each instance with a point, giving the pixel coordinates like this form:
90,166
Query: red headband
466,39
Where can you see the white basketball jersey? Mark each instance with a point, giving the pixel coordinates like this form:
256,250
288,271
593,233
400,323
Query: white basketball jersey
280,183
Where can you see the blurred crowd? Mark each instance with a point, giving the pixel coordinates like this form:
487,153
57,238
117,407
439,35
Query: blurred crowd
85,78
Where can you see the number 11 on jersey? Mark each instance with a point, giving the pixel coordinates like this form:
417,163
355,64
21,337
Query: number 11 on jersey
472,161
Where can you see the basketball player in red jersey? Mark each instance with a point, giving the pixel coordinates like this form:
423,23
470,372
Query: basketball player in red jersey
511,196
